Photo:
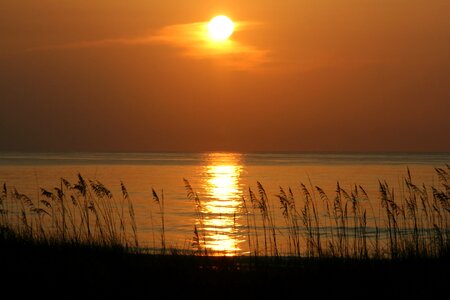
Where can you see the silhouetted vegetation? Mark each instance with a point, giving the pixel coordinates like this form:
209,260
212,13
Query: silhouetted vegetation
412,222
79,234
78,271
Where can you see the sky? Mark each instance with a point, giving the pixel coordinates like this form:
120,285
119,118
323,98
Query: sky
296,75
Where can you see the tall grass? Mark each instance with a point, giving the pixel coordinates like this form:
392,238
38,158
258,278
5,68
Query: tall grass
160,202
411,221
84,212
199,239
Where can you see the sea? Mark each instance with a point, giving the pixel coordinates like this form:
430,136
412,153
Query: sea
220,181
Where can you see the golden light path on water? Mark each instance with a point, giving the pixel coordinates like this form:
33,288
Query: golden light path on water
221,210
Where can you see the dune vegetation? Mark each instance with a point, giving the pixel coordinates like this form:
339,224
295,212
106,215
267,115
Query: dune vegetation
409,222
79,234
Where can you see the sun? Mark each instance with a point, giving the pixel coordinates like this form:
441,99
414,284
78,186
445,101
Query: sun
220,28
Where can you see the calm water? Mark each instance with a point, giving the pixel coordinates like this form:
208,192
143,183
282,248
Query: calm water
220,179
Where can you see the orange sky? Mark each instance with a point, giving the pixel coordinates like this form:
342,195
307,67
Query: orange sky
316,75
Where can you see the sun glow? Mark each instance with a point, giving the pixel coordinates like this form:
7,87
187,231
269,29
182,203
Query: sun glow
222,210
220,28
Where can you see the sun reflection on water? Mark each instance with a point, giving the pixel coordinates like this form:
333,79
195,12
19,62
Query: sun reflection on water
221,209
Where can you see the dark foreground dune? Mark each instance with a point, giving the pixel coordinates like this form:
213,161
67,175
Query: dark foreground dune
36,270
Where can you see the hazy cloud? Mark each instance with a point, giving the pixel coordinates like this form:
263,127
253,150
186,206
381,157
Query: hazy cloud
193,41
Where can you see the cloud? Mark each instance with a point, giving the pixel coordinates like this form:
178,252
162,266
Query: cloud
193,41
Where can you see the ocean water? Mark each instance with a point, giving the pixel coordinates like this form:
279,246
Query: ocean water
221,180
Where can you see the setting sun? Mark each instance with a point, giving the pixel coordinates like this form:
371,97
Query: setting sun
220,28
